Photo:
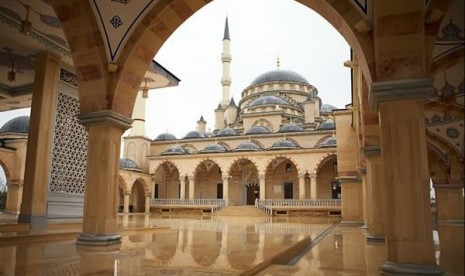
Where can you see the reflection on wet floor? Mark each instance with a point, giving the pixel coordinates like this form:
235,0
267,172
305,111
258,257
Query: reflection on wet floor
218,246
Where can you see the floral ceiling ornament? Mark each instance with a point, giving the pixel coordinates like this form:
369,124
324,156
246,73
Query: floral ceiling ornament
116,21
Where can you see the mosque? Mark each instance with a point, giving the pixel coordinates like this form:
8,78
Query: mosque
280,151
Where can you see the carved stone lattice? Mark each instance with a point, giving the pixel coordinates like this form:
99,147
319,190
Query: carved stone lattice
69,150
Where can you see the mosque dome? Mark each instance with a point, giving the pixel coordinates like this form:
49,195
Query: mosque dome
175,150
165,137
194,135
290,128
327,108
265,100
283,144
279,75
128,164
16,125
329,142
327,125
258,130
248,146
213,148
226,132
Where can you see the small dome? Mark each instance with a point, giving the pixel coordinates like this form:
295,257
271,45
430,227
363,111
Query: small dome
128,164
258,130
175,150
279,75
327,125
290,128
265,100
327,108
226,132
283,144
16,125
248,146
213,148
194,135
329,142
165,137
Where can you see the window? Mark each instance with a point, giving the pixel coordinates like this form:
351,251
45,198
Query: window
288,167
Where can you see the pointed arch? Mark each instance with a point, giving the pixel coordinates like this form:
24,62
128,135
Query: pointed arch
233,162
323,160
282,157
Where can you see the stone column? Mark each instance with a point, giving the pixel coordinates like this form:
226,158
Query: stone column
351,200
105,128
39,144
313,186
126,203
375,194
261,179
13,200
191,187
182,192
408,226
147,204
449,202
226,187
301,186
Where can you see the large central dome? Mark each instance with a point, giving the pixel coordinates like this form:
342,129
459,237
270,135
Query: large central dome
279,75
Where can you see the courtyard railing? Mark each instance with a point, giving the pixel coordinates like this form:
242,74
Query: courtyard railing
214,204
260,206
273,203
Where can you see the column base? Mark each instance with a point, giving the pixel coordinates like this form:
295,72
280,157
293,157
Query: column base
365,227
375,238
35,221
391,268
98,240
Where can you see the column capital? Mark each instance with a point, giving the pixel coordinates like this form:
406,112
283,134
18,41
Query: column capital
190,178
396,90
225,177
105,117
371,151
362,170
312,175
261,176
301,175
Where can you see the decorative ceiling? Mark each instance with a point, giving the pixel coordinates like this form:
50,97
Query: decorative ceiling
18,50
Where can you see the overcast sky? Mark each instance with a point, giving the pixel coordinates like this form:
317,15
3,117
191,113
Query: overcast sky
260,31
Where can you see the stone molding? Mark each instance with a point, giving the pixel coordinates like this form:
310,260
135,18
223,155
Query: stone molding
105,117
447,186
344,180
371,151
391,268
396,90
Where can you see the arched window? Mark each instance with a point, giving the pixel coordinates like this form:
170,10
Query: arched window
288,167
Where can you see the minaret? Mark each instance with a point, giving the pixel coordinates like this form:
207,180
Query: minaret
138,115
226,60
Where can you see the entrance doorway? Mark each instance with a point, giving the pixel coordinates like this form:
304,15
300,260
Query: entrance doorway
219,190
288,190
253,192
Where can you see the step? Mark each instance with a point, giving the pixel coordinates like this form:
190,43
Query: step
239,211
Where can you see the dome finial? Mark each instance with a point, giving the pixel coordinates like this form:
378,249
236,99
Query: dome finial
277,63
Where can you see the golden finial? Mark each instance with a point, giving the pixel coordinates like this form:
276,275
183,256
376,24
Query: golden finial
277,63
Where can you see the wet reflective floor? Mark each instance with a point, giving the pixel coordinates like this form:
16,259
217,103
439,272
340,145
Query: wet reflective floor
218,246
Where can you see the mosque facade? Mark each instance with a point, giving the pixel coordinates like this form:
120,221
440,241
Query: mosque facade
277,143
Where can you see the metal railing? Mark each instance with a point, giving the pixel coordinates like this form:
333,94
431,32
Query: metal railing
271,203
260,206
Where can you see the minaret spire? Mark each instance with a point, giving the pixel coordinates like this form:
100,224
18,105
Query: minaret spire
226,60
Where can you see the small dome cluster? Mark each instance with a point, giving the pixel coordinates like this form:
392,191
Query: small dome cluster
194,135
258,130
286,128
327,125
165,137
269,100
328,142
226,132
283,144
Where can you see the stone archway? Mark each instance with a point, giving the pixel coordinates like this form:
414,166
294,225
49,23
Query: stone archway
207,180
243,182
167,181
327,185
137,200
282,180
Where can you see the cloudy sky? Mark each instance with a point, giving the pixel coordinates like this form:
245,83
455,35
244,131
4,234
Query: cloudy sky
260,31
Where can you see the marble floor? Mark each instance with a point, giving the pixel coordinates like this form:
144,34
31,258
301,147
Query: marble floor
155,245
